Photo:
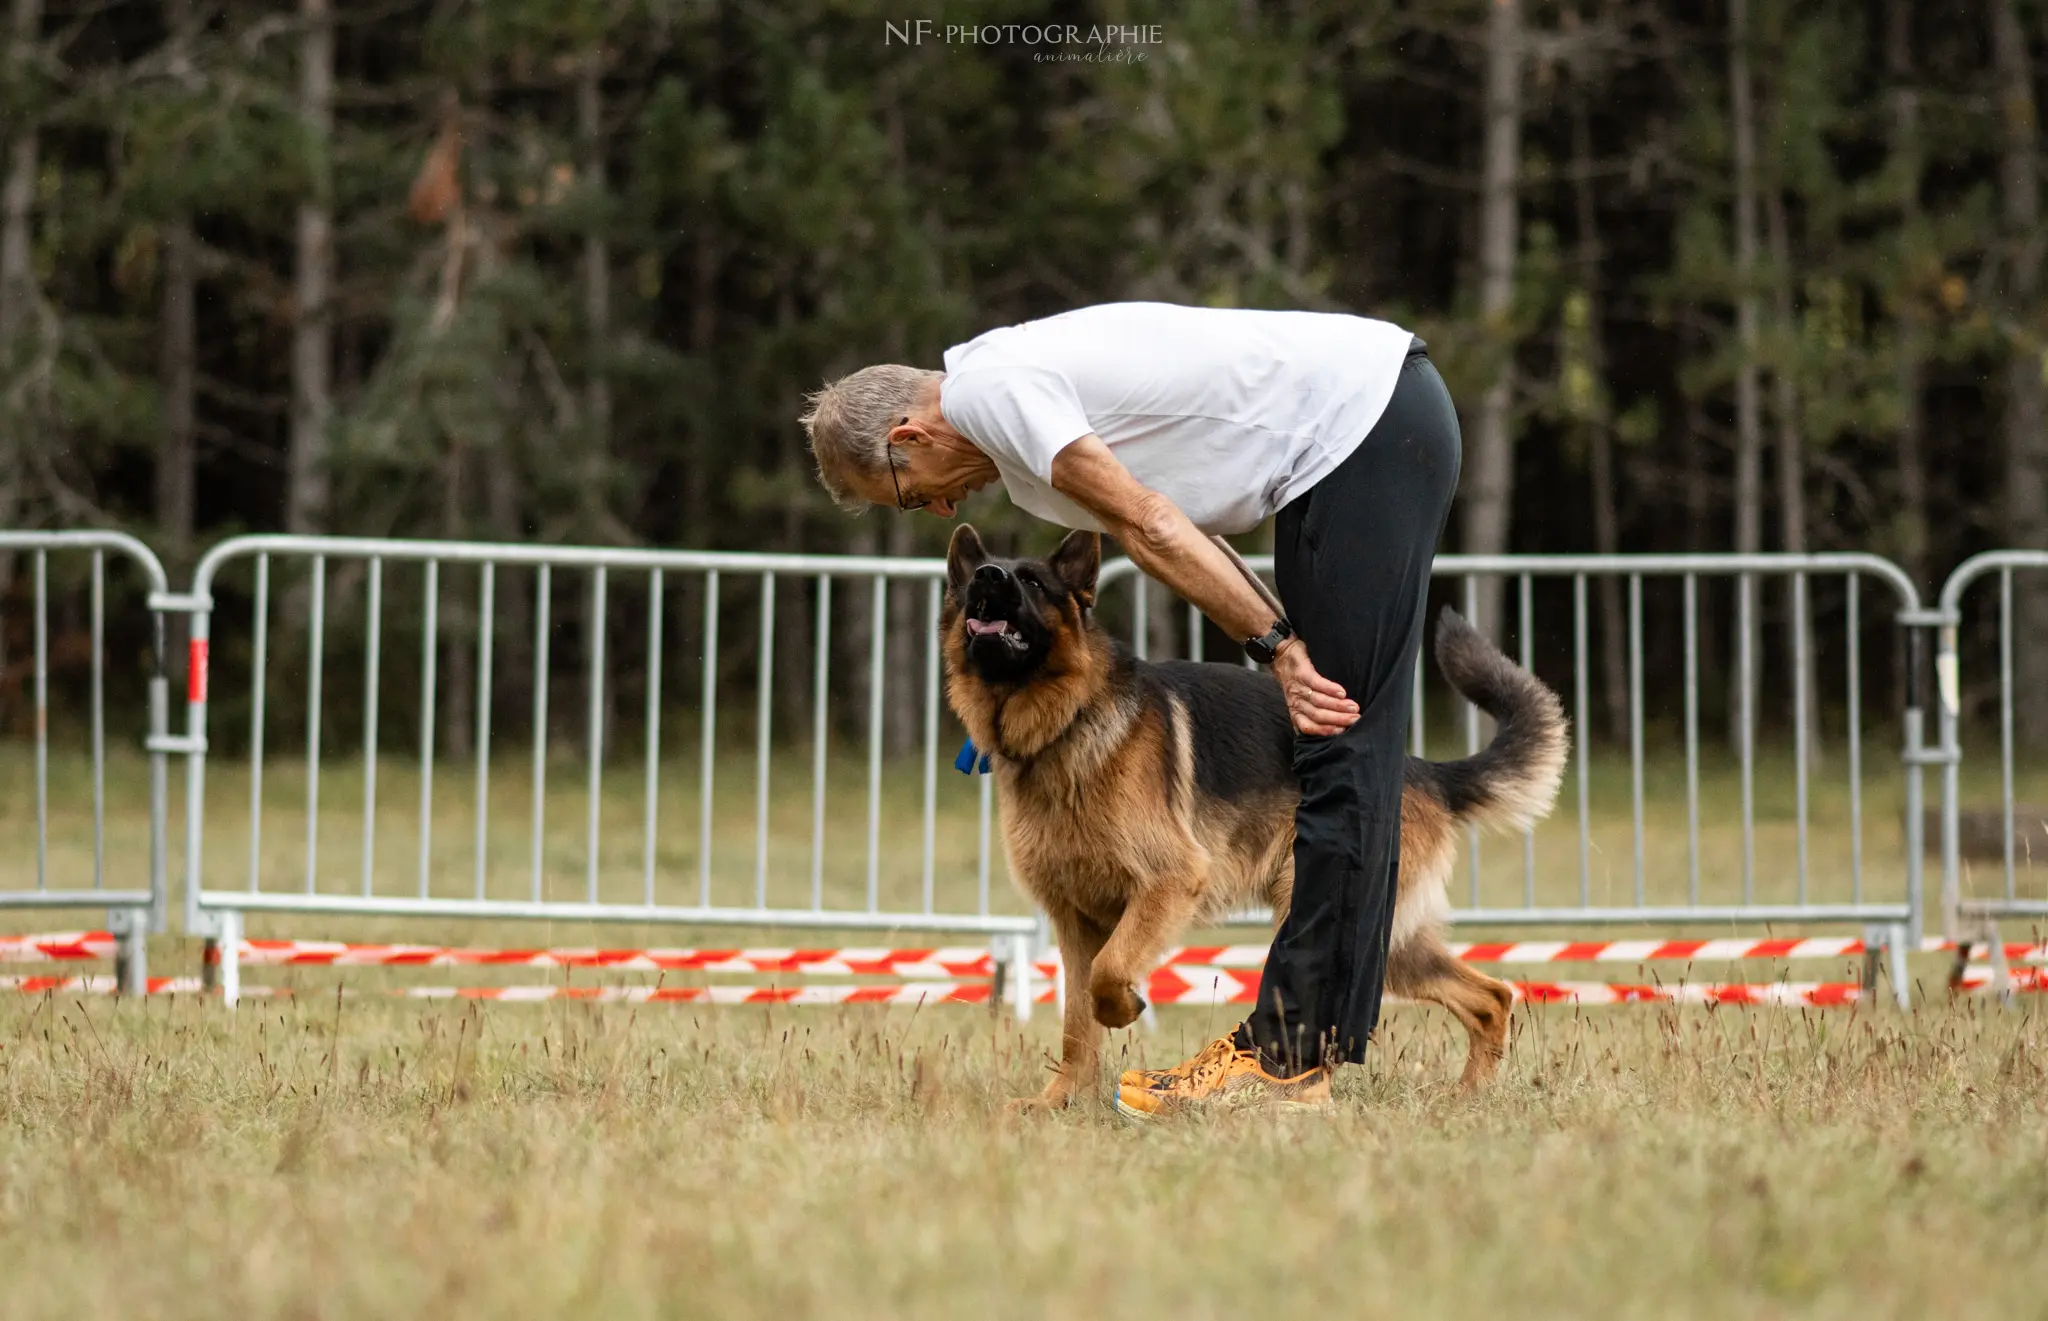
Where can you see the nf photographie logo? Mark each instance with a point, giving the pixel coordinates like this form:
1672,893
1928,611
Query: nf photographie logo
1109,43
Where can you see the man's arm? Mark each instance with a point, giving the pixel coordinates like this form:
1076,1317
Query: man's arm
1166,544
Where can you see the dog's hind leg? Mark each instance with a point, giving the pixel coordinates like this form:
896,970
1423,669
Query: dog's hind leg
1422,969
1081,1036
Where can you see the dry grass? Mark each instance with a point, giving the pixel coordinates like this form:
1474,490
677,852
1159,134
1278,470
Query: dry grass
363,1157
368,1159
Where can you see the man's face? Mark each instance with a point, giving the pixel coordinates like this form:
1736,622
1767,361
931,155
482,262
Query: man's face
927,476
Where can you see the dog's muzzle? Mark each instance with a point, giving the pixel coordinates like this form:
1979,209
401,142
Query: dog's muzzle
993,603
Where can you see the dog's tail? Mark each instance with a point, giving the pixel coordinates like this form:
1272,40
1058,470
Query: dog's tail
1512,782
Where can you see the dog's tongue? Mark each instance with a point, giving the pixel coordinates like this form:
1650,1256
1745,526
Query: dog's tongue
987,627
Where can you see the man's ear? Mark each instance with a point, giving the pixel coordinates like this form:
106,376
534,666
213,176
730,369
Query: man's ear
964,554
1077,562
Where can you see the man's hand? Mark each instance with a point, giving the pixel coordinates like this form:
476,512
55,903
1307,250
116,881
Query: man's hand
1315,704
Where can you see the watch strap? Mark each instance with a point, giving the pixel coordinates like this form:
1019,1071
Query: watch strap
1266,649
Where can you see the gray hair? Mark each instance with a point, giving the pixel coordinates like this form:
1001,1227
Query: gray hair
850,419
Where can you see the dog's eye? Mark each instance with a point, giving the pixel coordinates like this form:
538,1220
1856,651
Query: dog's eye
1030,579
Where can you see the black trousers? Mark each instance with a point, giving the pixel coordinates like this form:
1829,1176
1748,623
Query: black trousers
1352,556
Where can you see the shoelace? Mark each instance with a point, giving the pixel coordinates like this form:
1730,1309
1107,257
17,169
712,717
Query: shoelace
1222,1047
1207,1072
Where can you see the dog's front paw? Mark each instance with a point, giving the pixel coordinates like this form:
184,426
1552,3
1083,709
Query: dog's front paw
1117,1004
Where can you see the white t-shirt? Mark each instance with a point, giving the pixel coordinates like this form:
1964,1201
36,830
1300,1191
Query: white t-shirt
1229,413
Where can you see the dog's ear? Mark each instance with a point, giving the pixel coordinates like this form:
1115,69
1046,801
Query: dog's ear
1077,562
964,554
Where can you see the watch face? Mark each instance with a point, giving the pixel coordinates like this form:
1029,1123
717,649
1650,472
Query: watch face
1267,649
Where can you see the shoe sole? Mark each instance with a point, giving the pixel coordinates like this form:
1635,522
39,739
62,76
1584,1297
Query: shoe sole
1137,1116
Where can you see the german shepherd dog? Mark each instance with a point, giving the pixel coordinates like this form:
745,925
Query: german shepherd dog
1141,799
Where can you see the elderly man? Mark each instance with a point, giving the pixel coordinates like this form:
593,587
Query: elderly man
1159,424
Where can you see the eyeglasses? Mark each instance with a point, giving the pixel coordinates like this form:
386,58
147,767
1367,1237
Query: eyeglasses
897,482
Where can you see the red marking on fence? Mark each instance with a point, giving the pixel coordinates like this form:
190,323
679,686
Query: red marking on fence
195,671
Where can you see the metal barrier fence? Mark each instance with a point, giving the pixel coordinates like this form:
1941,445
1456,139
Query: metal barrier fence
284,622
690,891
697,889
1781,887
65,877
1968,917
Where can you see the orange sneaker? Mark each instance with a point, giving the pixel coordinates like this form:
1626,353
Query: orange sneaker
1220,1077
1221,1048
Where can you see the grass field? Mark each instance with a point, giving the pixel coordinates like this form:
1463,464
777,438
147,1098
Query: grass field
366,1159
326,1156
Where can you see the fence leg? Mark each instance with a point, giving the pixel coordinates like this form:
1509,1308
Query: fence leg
1020,974
131,949
1885,947
1044,948
999,974
1974,931
228,967
2001,971
1896,943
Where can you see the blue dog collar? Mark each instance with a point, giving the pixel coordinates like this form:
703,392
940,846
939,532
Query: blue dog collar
965,762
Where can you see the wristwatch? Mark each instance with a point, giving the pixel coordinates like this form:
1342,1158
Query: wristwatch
1264,649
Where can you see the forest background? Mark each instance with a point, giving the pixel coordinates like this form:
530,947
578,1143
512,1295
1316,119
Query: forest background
1749,275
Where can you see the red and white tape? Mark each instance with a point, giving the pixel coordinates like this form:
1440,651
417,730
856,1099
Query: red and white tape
1657,951
1165,988
57,947
1190,975
894,993
99,985
1221,986
934,963
974,961
1225,986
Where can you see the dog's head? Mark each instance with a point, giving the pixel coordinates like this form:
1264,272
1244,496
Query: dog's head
1006,619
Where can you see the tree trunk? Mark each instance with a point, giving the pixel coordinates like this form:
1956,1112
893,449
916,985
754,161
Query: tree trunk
1599,425
17,284
176,365
794,608
307,494
1908,346
1490,465
1791,476
695,532
457,700
17,196
1785,387
178,340
1749,438
512,645
597,274
2026,450
1701,534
